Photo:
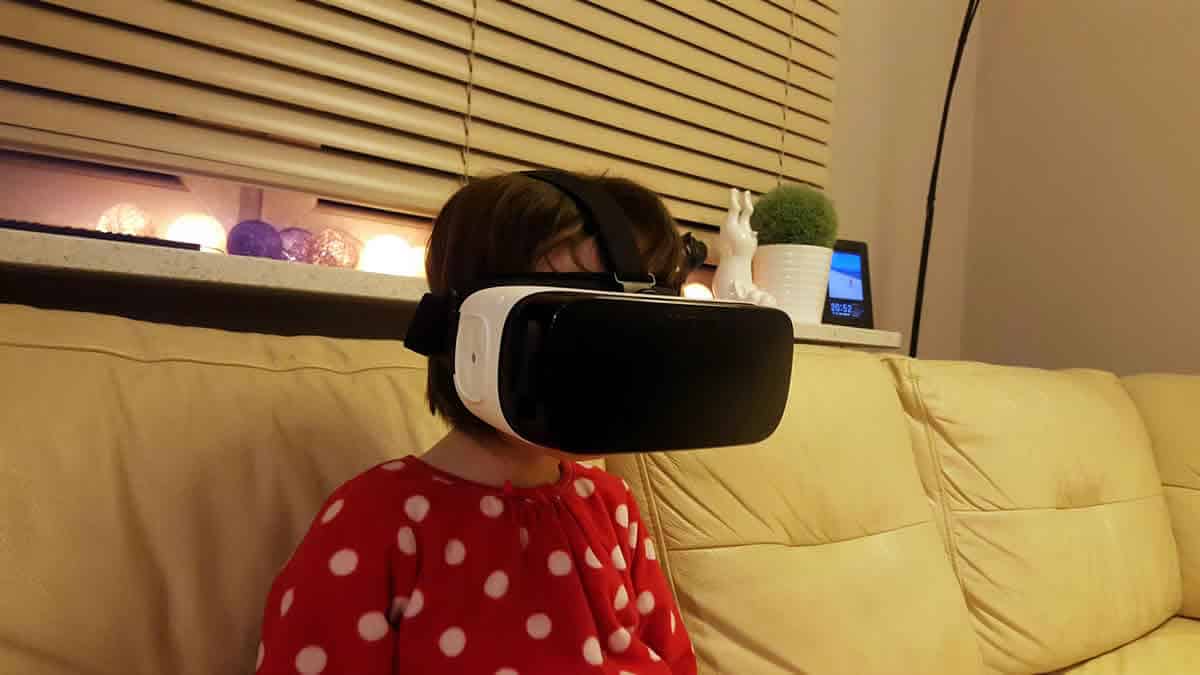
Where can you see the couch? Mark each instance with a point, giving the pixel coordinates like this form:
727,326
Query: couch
907,517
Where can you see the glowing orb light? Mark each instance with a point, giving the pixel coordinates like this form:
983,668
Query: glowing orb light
124,218
334,248
392,254
198,228
697,291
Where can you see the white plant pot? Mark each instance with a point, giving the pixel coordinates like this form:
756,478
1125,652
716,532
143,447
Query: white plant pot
797,275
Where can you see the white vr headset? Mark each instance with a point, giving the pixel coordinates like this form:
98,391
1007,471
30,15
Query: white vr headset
609,363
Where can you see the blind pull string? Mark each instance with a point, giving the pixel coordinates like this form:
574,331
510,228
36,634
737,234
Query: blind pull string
787,88
466,148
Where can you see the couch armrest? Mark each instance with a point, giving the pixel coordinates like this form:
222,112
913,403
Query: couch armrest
1170,406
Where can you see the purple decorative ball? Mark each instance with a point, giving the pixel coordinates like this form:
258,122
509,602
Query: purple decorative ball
255,238
297,244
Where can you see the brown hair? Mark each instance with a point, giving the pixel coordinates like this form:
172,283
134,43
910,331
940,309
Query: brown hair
506,225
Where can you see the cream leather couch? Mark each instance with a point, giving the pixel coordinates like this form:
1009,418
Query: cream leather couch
908,517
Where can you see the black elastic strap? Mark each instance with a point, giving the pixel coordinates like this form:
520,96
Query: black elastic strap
603,218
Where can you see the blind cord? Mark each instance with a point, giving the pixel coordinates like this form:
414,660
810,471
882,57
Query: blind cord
787,89
466,148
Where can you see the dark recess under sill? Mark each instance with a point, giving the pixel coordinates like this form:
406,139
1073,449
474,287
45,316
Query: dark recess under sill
187,303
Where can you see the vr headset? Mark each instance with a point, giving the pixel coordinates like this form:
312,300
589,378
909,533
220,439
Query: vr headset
609,363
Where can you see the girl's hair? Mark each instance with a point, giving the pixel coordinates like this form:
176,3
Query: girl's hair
506,225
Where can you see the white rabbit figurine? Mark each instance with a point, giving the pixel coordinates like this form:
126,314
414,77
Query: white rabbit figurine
733,279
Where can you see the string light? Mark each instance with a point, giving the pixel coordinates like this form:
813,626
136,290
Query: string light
124,218
392,254
198,228
697,291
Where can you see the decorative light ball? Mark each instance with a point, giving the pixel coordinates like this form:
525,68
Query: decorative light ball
198,228
334,248
124,218
257,239
392,254
697,291
297,244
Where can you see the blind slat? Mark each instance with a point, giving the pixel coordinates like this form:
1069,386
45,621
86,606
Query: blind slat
738,39
662,42
775,12
546,47
259,161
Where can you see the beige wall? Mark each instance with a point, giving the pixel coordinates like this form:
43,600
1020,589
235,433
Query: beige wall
893,67
1085,210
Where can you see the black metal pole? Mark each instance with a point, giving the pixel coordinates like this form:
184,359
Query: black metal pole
972,7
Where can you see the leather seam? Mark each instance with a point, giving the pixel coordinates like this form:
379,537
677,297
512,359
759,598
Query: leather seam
659,534
1061,508
945,514
1181,487
202,362
784,544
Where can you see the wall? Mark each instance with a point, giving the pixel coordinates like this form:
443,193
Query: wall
1084,205
894,62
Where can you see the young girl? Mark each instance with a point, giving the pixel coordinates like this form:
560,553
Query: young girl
487,555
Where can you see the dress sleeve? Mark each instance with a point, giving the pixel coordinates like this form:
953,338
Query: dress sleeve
663,627
334,606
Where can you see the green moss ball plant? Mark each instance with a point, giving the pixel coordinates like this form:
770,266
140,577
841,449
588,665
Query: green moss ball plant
795,214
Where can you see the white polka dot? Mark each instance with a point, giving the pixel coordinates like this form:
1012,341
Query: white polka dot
650,553
343,562
524,538
331,512
399,603
622,515
286,603
559,563
592,561
406,541
672,622
618,558
619,640
654,655
456,552
584,487
491,506
310,660
507,671
633,538
417,507
496,585
538,626
625,672
621,599
261,653
453,641
415,604
372,626
591,651
394,465
645,602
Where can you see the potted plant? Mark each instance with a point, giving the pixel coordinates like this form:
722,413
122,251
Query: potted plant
797,227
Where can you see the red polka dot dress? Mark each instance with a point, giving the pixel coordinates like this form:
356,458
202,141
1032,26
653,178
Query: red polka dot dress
409,570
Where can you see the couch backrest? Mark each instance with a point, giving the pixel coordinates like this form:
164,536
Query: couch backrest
1170,405
153,480
1050,504
814,551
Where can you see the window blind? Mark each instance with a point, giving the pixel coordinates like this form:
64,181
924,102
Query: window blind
376,102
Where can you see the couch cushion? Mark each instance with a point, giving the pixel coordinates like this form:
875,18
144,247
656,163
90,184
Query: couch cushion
814,551
1051,507
1170,405
1170,649
153,479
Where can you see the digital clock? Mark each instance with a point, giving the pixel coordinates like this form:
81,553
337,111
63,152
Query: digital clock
848,301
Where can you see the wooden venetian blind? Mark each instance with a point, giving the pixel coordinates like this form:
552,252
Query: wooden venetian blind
376,101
